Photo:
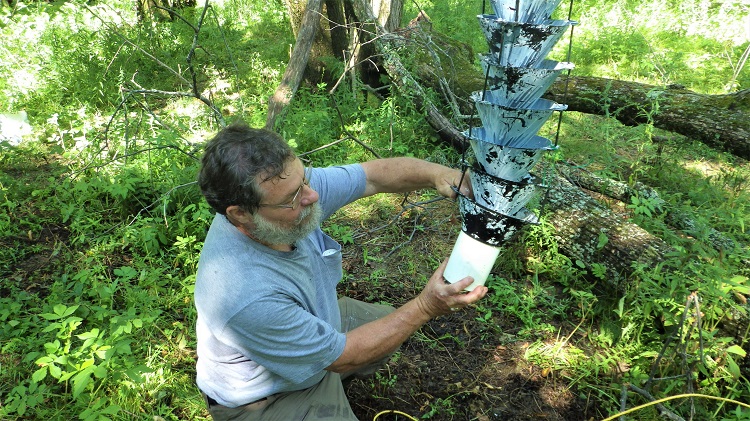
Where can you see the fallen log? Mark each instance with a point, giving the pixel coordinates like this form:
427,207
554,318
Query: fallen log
588,231
720,121
624,193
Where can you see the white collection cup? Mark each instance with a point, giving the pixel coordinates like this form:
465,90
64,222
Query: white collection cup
470,257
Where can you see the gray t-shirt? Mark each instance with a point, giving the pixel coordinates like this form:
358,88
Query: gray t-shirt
268,321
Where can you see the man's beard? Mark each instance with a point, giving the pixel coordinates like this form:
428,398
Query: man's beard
270,233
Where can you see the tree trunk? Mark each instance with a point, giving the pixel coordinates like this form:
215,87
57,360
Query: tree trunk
159,9
297,63
720,121
342,34
590,232
320,45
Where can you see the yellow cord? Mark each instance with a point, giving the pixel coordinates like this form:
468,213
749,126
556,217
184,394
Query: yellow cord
685,395
637,408
393,411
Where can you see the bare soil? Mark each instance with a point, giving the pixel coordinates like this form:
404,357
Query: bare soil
458,367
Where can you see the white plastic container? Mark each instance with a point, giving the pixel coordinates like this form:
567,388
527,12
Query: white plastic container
470,257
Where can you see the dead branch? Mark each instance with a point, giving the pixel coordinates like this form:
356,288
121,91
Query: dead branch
387,44
194,83
660,407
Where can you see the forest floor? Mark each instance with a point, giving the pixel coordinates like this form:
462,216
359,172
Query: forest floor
463,366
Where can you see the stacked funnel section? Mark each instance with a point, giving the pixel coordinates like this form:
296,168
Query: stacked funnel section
505,148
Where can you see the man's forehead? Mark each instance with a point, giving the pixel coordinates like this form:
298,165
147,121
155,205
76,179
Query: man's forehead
290,168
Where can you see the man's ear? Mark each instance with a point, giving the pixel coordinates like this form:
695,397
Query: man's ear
239,216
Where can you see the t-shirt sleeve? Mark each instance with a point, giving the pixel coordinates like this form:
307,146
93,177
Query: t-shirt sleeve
288,340
338,186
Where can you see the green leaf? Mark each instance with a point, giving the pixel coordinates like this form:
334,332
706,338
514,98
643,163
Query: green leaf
620,306
87,363
55,371
64,311
125,272
39,375
733,368
80,381
111,410
21,408
50,316
100,372
93,333
44,360
602,241
737,350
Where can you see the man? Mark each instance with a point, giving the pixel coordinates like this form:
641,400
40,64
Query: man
274,342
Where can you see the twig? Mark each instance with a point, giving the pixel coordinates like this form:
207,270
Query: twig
349,135
326,146
405,207
180,77
661,408
623,400
663,351
411,237
136,46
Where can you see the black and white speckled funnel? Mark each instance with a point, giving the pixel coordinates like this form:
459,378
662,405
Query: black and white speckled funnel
507,145
520,86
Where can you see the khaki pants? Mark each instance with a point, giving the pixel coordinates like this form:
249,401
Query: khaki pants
324,401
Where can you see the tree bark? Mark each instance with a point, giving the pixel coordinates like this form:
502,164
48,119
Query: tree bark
336,33
590,232
720,121
624,193
297,63
159,9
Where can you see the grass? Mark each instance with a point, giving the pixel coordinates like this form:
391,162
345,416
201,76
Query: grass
102,224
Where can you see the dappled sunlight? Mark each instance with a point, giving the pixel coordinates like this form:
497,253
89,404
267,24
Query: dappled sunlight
101,221
703,167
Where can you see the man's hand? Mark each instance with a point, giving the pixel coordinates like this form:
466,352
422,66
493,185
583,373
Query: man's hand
440,298
450,178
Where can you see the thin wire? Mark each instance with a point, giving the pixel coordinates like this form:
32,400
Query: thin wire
567,77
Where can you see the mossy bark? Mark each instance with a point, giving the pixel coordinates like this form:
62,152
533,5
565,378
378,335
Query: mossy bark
581,221
720,121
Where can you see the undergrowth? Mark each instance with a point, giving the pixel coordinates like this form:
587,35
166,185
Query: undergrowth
102,222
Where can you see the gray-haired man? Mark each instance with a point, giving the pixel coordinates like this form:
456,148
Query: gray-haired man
274,341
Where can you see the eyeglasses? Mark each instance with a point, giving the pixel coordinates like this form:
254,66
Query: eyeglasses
296,199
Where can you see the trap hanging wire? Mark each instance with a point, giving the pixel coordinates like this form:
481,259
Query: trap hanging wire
505,148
